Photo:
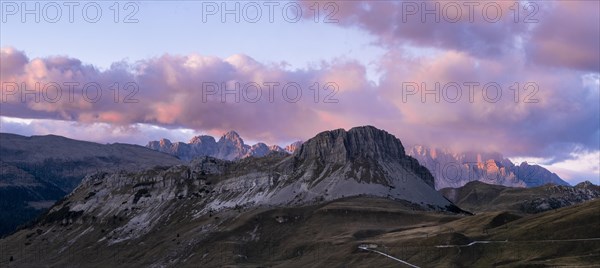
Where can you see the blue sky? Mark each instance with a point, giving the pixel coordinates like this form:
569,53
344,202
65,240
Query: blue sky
177,27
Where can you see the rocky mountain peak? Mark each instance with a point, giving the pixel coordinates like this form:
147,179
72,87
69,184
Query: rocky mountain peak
259,149
165,142
587,185
233,137
231,146
339,146
276,148
292,148
203,139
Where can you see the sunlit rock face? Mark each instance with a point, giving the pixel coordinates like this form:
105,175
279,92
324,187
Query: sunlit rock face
293,147
452,169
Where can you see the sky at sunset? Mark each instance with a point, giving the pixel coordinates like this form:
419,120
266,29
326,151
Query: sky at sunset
519,78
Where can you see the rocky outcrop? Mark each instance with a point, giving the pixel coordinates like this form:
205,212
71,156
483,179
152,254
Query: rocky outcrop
339,146
366,146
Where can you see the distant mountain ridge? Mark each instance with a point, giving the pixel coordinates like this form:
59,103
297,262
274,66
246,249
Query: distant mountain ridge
450,169
229,147
454,170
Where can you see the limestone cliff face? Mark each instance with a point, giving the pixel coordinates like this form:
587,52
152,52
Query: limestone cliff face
361,145
360,142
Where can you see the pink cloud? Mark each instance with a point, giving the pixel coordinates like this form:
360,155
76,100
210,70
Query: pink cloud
170,95
170,91
568,35
555,33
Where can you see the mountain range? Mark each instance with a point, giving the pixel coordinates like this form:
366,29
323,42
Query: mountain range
457,169
340,193
450,169
36,171
229,147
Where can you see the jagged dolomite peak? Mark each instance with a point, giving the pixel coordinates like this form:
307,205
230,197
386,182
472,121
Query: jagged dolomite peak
230,146
452,169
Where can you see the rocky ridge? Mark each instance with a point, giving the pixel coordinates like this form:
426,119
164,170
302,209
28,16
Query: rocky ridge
229,147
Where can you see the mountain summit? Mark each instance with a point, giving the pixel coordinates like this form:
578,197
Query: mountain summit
231,146
368,149
358,143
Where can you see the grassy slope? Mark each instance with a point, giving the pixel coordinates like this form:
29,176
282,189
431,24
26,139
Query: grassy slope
328,236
